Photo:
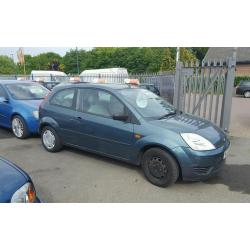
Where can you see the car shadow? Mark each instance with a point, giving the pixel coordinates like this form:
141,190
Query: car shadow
235,177
5,133
105,159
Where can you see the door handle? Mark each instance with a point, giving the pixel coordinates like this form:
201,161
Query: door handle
77,118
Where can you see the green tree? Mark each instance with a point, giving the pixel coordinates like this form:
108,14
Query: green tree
70,61
186,55
135,59
44,61
200,52
168,62
7,65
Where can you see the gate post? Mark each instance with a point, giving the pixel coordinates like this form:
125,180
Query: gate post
178,86
228,95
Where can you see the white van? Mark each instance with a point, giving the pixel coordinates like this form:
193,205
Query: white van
47,76
110,75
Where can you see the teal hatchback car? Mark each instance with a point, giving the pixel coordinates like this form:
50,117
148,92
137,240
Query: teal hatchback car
133,125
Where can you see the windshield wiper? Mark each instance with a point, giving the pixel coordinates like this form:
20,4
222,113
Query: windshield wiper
167,115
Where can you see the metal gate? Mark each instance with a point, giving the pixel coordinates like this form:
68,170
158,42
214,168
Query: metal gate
206,90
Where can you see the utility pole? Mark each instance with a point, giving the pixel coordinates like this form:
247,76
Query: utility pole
177,54
12,57
77,61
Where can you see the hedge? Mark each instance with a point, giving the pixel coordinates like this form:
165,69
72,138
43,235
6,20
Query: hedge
240,78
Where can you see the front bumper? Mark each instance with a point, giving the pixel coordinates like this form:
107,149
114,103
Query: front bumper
33,125
200,165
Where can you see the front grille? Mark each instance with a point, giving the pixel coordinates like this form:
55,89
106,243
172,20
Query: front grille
201,170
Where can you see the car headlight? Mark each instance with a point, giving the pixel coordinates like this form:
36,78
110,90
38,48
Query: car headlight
36,114
25,194
197,142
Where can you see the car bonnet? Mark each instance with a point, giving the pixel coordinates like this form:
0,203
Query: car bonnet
11,179
185,123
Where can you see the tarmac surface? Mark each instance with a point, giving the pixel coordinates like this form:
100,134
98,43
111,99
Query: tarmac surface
76,176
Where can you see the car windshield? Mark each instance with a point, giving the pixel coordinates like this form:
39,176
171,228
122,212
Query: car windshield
27,91
147,103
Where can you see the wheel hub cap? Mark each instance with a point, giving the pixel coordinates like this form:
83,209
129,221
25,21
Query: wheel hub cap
157,167
17,127
49,139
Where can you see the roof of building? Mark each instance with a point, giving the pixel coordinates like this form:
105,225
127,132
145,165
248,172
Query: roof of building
223,53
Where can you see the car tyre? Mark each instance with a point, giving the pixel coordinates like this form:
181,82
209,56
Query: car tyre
160,167
19,127
247,94
50,139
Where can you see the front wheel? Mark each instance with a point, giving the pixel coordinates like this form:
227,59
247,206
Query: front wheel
50,139
247,94
19,127
159,167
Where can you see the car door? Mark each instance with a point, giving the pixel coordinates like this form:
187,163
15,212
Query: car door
62,110
98,130
5,108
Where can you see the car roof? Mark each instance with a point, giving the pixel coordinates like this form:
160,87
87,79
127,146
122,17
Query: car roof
107,86
146,84
15,81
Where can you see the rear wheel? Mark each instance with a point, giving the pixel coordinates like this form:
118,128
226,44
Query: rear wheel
247,94
159,167
19,127
50,139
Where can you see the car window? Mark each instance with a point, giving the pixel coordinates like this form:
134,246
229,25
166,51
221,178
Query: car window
2,92
64,98
151,88
27,91
147,103
245,83
99,102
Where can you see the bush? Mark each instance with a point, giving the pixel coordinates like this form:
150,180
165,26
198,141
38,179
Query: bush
240,78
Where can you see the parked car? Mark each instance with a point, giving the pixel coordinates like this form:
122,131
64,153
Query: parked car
243,89
133,125
15,184
19,103
48,76
150,87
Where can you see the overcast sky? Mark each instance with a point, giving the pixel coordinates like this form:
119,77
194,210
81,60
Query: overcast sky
9,51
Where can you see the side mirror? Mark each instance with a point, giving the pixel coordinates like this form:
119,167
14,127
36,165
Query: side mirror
123,118
3,99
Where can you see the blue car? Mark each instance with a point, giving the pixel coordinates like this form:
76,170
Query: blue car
136,126
15,184
19,104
